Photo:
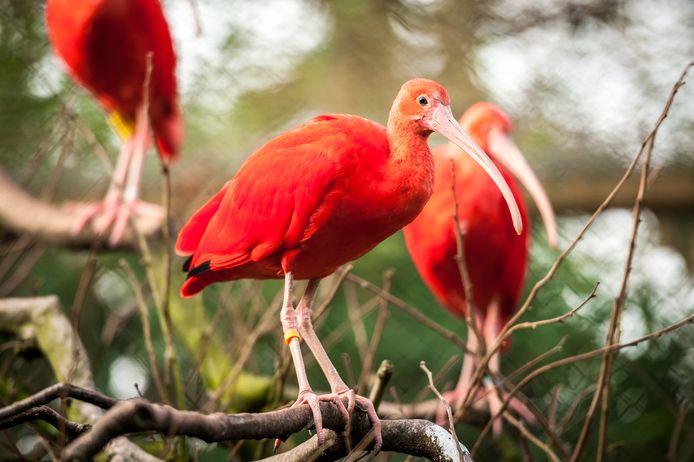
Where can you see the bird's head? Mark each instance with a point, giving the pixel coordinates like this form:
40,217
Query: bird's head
423,106
491,128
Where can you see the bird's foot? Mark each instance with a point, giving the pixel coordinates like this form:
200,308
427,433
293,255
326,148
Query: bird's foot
367,405
496,397
313,400
454,398
112,214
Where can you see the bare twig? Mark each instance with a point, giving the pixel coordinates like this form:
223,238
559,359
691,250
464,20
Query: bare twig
557,319
539,358
47,415
504,333
58,390
341,275
367,363
551,455
43,320
572,408
462,269
602,389
383,375
677,430
574,359
265,324
444,403
409,309
146,332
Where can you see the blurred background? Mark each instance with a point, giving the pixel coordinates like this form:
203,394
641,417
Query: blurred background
583,81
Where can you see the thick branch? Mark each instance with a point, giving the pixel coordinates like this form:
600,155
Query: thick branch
25,215
420,438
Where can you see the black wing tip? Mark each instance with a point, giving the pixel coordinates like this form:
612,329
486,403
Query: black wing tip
198,270
186,264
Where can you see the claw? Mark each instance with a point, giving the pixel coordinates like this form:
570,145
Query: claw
352,399
112,213
313,400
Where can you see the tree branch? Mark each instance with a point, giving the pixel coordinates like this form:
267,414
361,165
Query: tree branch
42,320
49,416
416,437
25,215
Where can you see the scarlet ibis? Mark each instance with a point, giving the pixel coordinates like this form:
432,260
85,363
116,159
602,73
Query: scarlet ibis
316,197
495,257
110,47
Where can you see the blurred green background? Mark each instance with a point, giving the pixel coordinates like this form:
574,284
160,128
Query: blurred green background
583,82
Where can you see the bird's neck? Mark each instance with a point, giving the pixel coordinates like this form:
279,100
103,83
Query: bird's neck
410,163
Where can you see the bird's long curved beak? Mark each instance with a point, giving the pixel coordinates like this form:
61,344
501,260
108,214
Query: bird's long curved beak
506,152
441,120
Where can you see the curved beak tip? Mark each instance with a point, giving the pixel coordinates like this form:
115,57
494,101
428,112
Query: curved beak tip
518,224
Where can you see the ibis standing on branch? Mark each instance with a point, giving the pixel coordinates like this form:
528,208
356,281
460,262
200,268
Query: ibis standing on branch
316,197
121,51
495,256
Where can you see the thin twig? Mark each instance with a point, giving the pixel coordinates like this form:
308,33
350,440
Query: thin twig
48,415
383,375
367,363
59,390
677,430
444,403
538,359
465,280
530,437
553,403
408,309
572,408
265,324
602,389
560,259
574,359
146,331
320,310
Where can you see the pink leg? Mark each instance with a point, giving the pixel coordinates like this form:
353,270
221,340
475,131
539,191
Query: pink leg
121,198
134,175
113,195
496,396
464,382
337,385
456,397
290,327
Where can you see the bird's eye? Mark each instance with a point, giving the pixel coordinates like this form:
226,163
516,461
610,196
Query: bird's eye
422,100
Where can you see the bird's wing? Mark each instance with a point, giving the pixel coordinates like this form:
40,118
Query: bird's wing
191,233
269,204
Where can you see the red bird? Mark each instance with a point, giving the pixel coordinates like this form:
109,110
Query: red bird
106,45
496,258
316,197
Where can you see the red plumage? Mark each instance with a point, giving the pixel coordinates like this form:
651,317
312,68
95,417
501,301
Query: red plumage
105,43
316,197
495,255
308,201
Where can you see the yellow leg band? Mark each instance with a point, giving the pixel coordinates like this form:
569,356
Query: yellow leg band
290,334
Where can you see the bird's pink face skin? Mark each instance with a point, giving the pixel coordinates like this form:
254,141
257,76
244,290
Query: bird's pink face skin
427,102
